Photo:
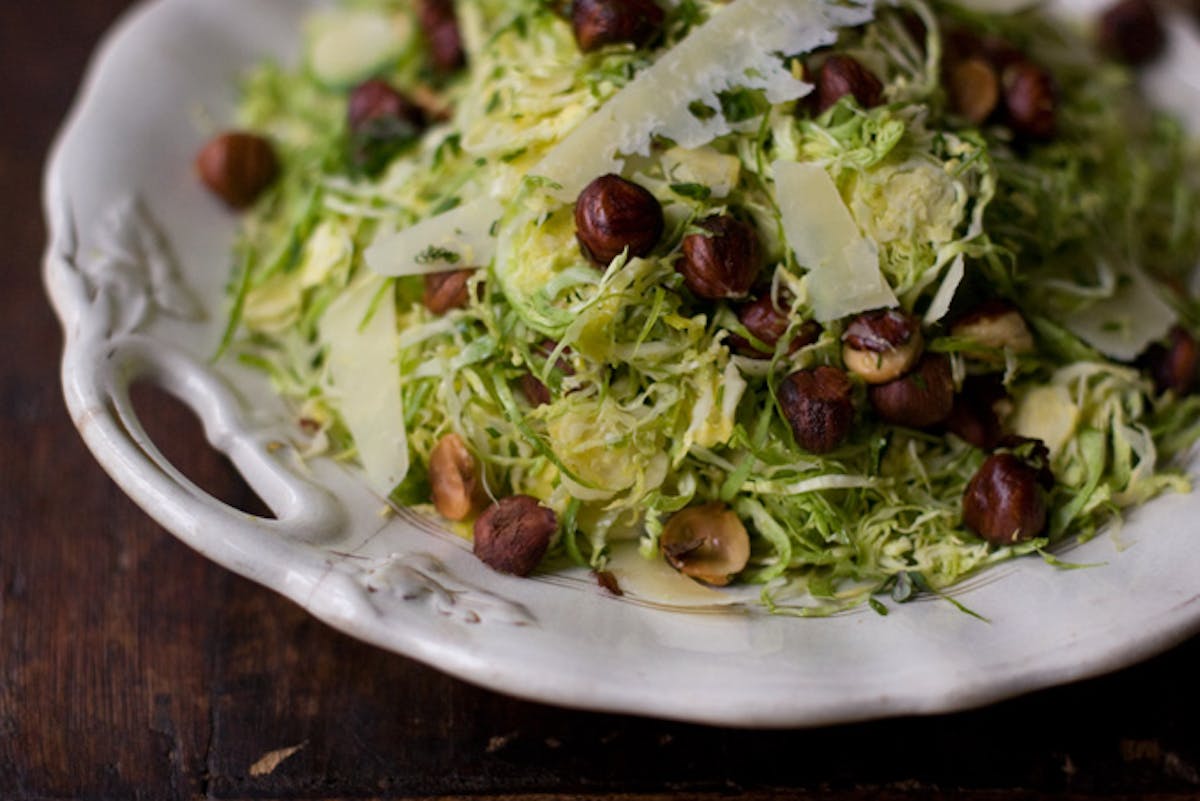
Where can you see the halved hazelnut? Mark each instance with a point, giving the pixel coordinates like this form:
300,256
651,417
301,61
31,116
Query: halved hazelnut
706,542
454,478
974,88
882,345
995,324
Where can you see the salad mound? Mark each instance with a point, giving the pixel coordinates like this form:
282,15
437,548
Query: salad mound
833,299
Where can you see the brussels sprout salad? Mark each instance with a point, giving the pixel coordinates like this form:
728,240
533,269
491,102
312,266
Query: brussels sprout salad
836,300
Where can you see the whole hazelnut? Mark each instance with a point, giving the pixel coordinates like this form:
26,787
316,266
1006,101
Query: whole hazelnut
723,261
237,167
512,536
706,542
439,25
1131,31
923,397
1173,365
995,324
842,75
974,89
447,290
818,406
375,108
612,214
881,345
1031,100
536,392
767,323
454,478
1004,502
975,416
603,22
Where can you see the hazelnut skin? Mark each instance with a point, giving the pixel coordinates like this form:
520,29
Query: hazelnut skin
767,324
842,75
923,397
612,214
603,22
974,416
723,262
1131,31
374,104
1173,365
818,406
512,536
1004,502
439,25
1031,99
237,167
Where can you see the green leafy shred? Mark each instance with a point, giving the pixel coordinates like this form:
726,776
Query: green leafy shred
651,406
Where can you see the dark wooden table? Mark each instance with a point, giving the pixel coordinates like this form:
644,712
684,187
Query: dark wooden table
132,668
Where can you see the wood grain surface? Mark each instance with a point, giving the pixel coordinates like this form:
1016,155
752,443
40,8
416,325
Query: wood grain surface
132,668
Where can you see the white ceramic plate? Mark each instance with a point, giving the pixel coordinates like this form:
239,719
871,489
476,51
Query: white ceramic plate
136,267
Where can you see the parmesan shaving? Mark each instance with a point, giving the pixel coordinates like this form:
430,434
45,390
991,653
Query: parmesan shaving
1122,325
459,238
361,368
844,276
737,47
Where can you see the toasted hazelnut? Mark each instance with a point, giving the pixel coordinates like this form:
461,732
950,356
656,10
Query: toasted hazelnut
447,290
1004,502
612,214
237,167
603,22
881,345
842,75
1031,100
818,406
706,542
374,107
974,88
1173,365
723,261
921,398
454,478
439,25
536,392
767,323
975,416
995,324
512,536
1131,31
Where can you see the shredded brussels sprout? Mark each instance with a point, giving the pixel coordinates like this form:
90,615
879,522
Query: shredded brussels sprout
651,406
